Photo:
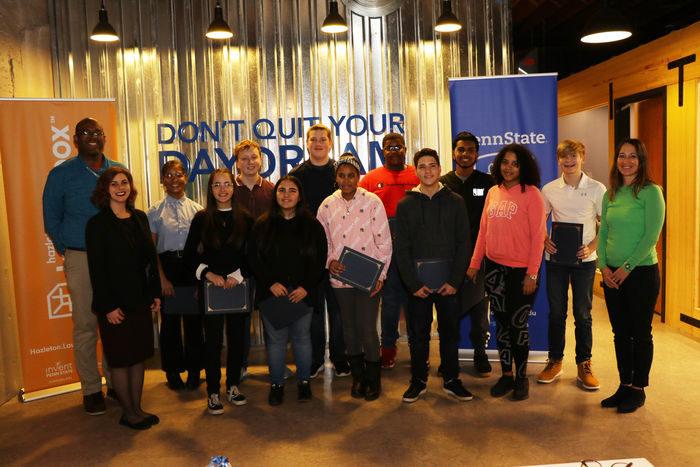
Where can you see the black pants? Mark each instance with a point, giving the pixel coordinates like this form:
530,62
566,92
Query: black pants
479,320
420,317
511,310
178,354
214,331
631,310
473,302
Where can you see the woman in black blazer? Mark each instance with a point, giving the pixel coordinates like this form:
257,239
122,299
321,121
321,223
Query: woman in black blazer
125,288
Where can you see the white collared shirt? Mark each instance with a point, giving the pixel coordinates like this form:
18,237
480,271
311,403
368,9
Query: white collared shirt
580,205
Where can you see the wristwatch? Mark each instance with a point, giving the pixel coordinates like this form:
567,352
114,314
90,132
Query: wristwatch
532,276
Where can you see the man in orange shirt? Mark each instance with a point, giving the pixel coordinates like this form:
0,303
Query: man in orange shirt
390,183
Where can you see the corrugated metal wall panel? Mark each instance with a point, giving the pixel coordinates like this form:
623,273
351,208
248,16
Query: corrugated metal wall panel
279,66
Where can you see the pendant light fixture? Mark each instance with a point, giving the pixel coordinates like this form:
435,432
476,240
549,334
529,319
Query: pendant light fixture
104,32
218,29
606,25
334,23
447,22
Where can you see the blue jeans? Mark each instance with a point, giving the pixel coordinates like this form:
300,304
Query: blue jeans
394,296
336,344
581,277
420,318
276,342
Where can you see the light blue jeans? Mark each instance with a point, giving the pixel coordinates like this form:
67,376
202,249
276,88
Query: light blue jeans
276,341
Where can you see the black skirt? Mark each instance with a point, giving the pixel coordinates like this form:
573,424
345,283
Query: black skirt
129,342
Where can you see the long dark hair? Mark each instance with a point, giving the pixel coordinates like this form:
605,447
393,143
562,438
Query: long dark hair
241,219
100,196
268,225
643,177
529,170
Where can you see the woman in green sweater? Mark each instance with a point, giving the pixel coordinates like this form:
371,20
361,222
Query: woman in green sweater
633,215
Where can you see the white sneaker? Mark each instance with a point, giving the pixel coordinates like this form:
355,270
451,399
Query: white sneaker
235,397
214,406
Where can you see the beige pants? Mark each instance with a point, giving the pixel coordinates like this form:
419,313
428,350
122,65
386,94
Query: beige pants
85,333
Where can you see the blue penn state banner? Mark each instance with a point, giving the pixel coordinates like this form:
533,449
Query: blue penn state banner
502,110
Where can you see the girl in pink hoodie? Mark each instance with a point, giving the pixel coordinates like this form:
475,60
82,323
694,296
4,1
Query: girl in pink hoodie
511,236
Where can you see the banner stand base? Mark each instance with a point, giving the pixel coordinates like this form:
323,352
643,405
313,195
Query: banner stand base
49,392
535,356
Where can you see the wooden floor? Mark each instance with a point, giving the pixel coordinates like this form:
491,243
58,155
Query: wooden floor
559,423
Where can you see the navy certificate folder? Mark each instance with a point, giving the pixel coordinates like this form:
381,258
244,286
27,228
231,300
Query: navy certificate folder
218,300
434,272
280,312
568,237
361,271
183,303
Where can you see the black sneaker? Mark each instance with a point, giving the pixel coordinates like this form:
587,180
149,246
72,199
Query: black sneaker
482,365
414,391
192,380
235,396
94,403
342,370
455,389
617,398
276,394
174,381
214,406
634,399
522,389
304,394
316,370
112,394
502,386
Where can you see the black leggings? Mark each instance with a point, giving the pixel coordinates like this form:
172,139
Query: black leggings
631,310
511,309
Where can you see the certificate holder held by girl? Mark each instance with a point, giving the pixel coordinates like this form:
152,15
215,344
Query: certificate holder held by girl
287,252
215,251
356,218
125,288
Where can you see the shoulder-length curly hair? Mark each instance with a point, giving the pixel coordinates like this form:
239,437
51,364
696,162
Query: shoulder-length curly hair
529,170
100,197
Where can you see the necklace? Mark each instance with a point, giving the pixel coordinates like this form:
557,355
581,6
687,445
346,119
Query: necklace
347,205
225,217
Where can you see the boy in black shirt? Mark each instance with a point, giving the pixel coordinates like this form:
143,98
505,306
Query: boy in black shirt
472,185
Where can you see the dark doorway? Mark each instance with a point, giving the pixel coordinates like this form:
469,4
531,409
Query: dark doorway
643,116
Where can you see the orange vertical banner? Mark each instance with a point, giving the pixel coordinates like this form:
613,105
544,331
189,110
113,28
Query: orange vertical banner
35,136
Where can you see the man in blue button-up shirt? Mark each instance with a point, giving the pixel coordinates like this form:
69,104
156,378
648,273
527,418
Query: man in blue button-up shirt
67,208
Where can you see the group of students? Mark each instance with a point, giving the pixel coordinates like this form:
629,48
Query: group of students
287,239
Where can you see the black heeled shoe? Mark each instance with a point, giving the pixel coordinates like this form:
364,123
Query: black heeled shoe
152,419
142,425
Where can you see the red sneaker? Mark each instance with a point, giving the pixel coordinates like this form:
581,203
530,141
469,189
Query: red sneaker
388,357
